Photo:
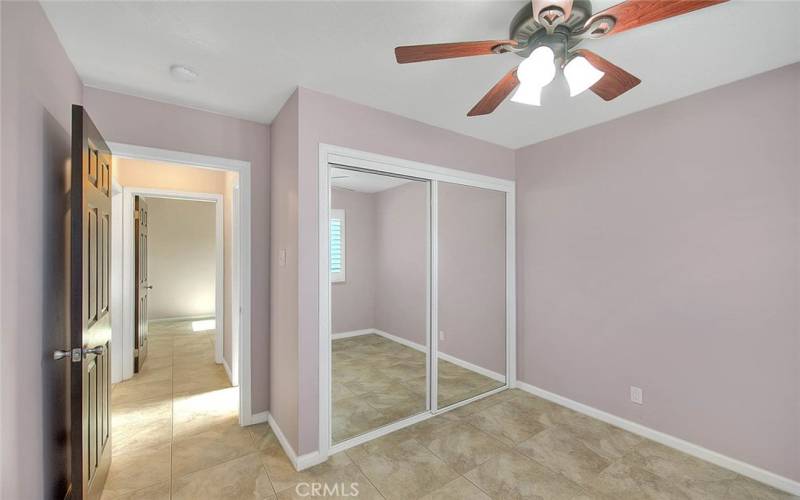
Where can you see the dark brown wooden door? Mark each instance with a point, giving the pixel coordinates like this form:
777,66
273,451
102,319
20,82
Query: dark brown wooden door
142,285
90,317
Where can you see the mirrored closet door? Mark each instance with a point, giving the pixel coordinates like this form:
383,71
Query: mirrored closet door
471,305
379,291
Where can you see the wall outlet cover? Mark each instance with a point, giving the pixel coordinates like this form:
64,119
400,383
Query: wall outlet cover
636,395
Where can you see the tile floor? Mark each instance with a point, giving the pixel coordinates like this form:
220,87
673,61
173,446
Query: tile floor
185,444
377,381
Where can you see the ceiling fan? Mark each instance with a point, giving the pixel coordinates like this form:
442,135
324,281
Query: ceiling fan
546,33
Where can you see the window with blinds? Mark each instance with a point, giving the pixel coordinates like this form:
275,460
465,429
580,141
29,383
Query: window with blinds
337,246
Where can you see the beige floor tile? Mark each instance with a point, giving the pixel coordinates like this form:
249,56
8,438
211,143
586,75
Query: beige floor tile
195,413
403,471
562,451
337,469
460,489
127,392
506,422
463,447
139,469
213,447
243,478
160,491
512,475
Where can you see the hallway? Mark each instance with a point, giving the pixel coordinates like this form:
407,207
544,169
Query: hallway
175,425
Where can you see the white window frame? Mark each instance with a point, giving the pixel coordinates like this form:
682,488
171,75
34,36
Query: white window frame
338,213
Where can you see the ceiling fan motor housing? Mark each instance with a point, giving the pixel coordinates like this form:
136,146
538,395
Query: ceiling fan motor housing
530,33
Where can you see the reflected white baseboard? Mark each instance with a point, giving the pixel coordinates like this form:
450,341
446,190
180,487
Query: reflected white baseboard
419,347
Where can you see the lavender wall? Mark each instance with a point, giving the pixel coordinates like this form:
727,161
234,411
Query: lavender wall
402,259
38,87
327,119
284,360
353,301
662,252
133,120
472,275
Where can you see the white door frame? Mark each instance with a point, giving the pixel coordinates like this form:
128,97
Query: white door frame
241,259
129,269
353,158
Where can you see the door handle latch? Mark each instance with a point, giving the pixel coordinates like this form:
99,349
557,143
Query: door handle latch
74,354
99,350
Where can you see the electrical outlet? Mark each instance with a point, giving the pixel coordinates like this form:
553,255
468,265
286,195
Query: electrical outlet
636,395
441,335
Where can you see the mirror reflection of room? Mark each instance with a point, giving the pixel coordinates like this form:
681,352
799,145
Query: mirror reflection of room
379,301
471,348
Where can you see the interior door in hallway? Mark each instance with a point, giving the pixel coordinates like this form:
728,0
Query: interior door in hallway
90,316
142,285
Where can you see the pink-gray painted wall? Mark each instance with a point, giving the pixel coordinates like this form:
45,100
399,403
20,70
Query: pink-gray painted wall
353,301
284,360
386,287
142,122
38,87
662,252
472,275
330,120
401,226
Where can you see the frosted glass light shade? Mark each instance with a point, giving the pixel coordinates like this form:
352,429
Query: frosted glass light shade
528,93
581,75
539,68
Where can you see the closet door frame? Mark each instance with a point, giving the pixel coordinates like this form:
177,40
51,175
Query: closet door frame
337,155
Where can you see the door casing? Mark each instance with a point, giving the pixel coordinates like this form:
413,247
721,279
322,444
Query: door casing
241,281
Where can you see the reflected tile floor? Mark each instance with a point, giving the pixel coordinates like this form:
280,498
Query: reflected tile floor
511,445
377,381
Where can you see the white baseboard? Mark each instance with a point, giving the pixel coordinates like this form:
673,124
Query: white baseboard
745,469
257,418
354,333
303,461
400,340
227,370
419,347
499,377
182,318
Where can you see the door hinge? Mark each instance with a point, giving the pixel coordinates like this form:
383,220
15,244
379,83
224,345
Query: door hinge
136,215
136,353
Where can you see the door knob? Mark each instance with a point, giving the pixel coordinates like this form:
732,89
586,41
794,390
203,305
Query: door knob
75,354
95,350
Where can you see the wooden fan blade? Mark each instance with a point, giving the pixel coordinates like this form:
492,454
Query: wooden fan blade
616,80
496,94
635,13
564,5
417,53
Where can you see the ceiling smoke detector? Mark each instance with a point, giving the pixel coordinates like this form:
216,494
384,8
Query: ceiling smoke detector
182,73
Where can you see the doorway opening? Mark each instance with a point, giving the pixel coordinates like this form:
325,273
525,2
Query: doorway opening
181,361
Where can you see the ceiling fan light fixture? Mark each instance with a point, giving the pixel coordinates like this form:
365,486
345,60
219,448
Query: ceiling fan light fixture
528,93
581,75
539,68
534,73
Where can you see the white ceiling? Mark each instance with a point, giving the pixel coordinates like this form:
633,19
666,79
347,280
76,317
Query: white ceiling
252,55
364,182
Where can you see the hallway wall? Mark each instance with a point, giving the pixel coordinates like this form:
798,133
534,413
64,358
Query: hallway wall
182,259
39,86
